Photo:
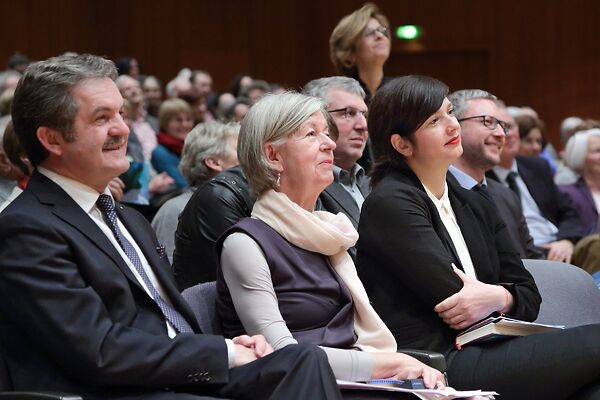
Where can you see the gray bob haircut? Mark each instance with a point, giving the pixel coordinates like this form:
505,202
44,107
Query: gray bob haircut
206,140
43,97
576,149
460,97
321,87
271,120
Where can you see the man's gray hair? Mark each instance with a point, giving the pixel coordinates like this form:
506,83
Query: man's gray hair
206,140
43,97
271,120
321,87
460,98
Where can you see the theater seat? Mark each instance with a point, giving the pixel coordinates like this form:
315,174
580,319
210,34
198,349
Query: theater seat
569,294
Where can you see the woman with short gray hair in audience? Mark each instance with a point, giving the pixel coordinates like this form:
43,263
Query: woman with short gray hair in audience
285,273
208,149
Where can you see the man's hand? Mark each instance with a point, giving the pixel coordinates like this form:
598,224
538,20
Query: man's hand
561,250
250,348
475,301
116,187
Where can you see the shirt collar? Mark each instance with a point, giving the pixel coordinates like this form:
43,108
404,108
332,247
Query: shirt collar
439,203
83,195
465,180
346,177
503,172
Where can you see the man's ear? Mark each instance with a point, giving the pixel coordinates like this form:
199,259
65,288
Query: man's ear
51,139
213,163
402,145
273,157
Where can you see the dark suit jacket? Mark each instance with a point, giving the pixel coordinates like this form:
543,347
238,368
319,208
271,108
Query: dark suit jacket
509,208
336,199
580,198
73,316
554,206
405,256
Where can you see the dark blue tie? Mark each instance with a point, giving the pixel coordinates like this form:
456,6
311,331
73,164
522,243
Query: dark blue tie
511,180
107,207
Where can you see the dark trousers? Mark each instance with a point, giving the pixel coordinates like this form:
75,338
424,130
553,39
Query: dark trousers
294,372
554,365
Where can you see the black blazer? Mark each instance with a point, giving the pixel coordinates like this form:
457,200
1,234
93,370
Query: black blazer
509,208
553,204
73,316
405,256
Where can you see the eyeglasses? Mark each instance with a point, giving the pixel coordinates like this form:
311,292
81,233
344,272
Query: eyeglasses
349,113
490,122
381,29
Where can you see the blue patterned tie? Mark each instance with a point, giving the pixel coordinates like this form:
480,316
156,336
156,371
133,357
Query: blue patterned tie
107,207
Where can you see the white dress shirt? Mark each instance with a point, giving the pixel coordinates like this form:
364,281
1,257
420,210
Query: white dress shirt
449,220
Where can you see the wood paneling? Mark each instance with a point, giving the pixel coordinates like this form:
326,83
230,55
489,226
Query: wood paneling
540,53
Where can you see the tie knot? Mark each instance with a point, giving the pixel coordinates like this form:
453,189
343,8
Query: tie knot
512,175
105,204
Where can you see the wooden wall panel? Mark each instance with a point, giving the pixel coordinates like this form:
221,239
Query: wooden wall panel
540,53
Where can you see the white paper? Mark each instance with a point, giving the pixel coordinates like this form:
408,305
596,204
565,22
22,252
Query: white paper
427,394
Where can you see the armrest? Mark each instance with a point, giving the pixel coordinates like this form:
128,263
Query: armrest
431,358
23,395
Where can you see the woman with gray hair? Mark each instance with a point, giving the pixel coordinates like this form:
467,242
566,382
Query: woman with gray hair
208,149
285,272
582,155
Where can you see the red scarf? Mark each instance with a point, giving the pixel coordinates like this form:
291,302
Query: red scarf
171,143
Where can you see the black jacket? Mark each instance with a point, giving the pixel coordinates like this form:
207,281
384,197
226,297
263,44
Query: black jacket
405,256
215,206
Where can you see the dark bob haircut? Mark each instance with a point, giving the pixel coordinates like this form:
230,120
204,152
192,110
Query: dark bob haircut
400,107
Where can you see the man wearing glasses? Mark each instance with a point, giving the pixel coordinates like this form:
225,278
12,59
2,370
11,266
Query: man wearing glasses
483,130
346,106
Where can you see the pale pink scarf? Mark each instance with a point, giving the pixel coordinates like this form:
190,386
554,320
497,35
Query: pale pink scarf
331,235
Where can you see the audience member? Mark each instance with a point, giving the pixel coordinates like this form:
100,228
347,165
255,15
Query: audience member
10,174
176,120
152,95
552,222
208,149
345,103
93,280
532,134
285,272
256,90
9,80
6,99
435,258
565,175
128,66
484,125
237,111
359,46
17,62
17,157
143,125
239,84
201,83
199,107
582,155
213,208
180,85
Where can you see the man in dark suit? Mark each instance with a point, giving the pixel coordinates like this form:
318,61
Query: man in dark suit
554,225
346,105
87,300
482,145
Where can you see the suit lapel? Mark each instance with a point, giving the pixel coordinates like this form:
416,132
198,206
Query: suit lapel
343,198
65,208
160,266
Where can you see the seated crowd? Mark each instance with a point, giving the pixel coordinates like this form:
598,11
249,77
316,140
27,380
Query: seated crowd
367,215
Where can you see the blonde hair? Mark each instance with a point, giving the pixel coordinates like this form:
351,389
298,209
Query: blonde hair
170,109
271,120
345,36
